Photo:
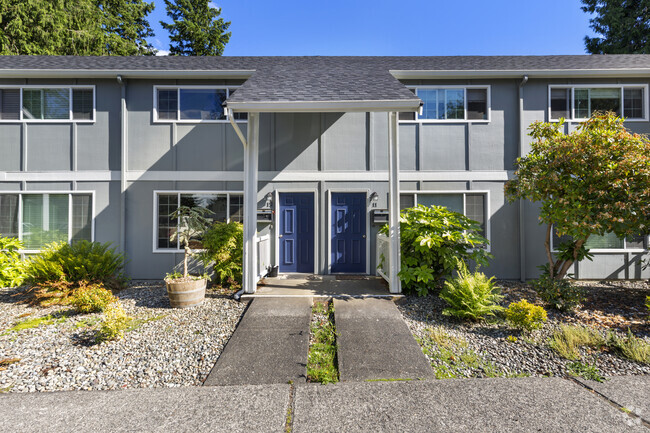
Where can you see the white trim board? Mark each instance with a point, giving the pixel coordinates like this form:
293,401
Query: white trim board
60,176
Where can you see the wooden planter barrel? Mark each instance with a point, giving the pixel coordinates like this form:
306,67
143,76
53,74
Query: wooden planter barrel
184,294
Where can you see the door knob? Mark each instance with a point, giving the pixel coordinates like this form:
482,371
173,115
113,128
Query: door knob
364,236
279,236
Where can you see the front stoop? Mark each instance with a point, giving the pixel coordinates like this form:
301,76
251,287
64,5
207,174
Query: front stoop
374,342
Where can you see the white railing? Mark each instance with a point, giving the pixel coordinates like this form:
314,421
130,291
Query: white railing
383,256
263,255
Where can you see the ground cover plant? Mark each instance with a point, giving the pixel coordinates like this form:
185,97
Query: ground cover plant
525,315
471,295
630,347
434,240
568,340
322,361
12,267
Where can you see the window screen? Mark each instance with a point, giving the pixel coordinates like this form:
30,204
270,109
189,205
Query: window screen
477,104
560,106
633,103
81,217
82,104
236,208
475,209
10,104
406,201
168,104
9,215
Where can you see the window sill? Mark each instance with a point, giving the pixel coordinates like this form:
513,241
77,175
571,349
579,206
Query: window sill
584,120
47,121
425,121
614,251
193,122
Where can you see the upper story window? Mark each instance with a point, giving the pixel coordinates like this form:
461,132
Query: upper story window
192,104
451,104
47,104
580,102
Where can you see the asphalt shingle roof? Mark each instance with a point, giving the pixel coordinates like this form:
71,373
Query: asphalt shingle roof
324,78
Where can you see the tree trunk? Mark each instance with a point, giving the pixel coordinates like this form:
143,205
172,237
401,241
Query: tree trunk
187,254
567,264
549,256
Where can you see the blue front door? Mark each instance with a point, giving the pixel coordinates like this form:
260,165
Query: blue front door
348,232
297,232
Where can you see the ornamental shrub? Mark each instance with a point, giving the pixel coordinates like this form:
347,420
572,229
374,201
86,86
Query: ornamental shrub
115,323
471,296
224,251
525,315
91,298
12,268
80,261
558,294
434,241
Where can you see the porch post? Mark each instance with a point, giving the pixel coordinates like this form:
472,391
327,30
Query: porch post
251,154
393,206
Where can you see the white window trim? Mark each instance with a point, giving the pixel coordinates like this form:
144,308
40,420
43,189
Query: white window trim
22,119
625,249
464,192
178,108
465,88
622,87
70,194
156,193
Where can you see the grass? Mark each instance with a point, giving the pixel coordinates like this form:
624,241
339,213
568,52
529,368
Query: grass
36,322
321,360
586,371
630,347
569,339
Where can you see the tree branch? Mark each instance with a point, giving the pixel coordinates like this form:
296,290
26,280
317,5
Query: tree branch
547,244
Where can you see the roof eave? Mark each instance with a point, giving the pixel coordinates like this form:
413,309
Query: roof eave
325,106
126,73
535,73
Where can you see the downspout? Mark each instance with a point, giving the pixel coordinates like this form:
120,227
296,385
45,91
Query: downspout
240,134
520,153
123,162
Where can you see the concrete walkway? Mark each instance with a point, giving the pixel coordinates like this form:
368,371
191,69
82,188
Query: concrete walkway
270,344
375,343
454,405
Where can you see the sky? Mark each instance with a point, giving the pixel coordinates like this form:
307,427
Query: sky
407,27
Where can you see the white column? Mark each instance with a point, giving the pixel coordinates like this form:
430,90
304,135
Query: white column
393,205
251,154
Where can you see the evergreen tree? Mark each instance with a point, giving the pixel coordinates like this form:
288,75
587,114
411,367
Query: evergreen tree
126,27
624,26
196,29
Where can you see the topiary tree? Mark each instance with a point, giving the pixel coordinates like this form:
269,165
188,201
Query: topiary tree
592,181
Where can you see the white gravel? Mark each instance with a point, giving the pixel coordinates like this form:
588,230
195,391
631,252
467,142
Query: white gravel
175,347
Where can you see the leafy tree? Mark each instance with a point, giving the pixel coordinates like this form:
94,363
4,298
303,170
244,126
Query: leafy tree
592,181
624,26
74,27
197,29
193,223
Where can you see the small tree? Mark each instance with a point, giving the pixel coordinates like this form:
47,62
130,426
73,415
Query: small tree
592,181
193,223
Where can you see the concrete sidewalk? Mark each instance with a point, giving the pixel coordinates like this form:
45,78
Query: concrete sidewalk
454,405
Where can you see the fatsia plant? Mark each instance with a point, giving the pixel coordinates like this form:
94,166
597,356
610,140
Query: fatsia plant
193,222
592,181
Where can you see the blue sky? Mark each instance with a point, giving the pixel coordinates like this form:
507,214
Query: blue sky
411,27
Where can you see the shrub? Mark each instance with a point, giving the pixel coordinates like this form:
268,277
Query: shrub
91,298
12,268
80,261
630,346
471,296
52,293
558,294
115,323
569,339
224,250
434,240
647,304
525,315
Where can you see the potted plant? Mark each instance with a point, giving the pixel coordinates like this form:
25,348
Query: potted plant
186,290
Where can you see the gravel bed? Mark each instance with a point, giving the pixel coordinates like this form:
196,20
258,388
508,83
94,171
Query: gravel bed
168,348
610,306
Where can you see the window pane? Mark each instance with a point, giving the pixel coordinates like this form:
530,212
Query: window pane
81,217
409,115
453,202
455,104
477,104
608,240
56,103
202,104
406,201
581,103
32,107
633,103
10,104
167,204
430,99
603,100
637,242
560,103
240,116
45,219
236,208
9,215
557,240
82,104
168,104
475,209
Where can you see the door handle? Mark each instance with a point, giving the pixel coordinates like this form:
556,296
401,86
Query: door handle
279,236
364,236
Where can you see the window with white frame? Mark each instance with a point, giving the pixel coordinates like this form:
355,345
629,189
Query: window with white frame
223,207
40,218
193,104
608,241
471,204
451,103
581,102
47,104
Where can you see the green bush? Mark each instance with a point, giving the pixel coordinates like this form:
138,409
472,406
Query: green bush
12,268
434,240
80,261
525,315
115,323
558,294
471,296
91,298
647,304
224,250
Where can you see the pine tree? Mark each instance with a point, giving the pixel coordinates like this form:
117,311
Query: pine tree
126,27
196,29
624,26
